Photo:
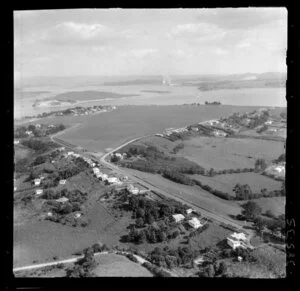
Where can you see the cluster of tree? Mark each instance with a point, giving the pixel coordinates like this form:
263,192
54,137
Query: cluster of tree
21,165
68,220
40,160
177,148
273,224
74,196
178,177
262,129
213,172
251,210
245,254
158,272
214,269
280,159
148,209
114,158
44,130
170,258
215,192
259,120
39,145
83,267
244,192
212,103
260,165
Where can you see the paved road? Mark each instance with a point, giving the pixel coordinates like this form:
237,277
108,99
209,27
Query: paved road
206,212
66,261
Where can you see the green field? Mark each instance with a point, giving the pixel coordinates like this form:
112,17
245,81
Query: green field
107,130
192,194
275,204
230,153
227,182
112,265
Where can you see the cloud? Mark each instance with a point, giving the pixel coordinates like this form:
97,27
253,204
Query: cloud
140,53
197,32
241,18
70,33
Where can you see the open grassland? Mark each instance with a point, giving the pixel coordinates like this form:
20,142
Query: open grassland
227,182
193,194
41,240
112,265
107,130
230,153
21,152
274,204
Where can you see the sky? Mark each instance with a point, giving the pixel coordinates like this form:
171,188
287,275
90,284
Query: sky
108,42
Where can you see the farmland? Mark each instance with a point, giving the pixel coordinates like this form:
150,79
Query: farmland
227,182
193,194
230,153
108,130
113,265
274,204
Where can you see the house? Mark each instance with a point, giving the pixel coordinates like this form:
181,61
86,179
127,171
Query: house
102,176
15,188
70,153
198,260
49,214
195,222
62,200
37,182
120,156
112,179
62,182
39,191
178,217
236,240
28,132
16,141
133,190
189,211
37,125
269,122
77,215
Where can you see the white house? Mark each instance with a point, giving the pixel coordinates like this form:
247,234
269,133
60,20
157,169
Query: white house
37,182
237,240
77,215
39,191
113,180
199,260
62,200
194,222
269,122
104,177
178,217
62,182
16,141
49,214
15,188
189,211
37,125
28,132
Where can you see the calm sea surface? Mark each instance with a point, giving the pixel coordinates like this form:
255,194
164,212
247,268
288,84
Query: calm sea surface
178,95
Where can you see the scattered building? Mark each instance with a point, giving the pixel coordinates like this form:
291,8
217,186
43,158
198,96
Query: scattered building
178,217
62,200
236,240
62,182
189,211
195,223
37,182
77,215
39,191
